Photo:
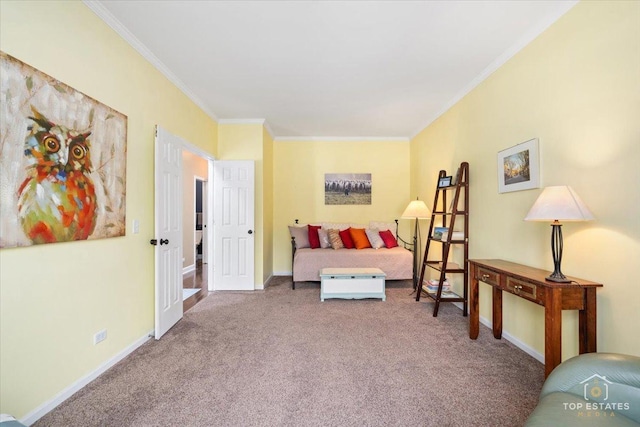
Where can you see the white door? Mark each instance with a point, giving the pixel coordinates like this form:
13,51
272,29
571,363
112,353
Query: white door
205,213
233,218
168,231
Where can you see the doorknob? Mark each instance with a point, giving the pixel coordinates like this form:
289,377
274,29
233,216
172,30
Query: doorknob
164,241
154,242
250,231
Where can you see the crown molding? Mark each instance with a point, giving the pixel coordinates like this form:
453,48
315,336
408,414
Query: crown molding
262,122
500,61
102,13
241,121
269,130
341,139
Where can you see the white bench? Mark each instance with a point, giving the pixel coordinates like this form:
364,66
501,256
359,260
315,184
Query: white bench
352,283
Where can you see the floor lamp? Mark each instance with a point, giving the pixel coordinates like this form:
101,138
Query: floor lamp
417,210
557,204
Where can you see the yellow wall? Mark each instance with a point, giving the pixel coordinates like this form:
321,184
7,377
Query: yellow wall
268,193
576,88
299,168
54,297
245,141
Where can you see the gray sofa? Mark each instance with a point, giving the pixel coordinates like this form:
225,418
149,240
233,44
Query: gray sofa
592,389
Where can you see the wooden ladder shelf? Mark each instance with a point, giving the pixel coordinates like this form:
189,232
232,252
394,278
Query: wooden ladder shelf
448,216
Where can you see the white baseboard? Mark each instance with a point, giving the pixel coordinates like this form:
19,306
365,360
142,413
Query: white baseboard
282,273
47,407
266,282
188,269
513,340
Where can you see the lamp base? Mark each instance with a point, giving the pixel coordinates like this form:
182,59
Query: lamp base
558,278
556,250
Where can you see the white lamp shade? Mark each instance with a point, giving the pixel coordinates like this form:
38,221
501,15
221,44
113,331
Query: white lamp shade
559,203
416,209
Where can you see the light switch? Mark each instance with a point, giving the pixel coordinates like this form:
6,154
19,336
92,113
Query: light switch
136,226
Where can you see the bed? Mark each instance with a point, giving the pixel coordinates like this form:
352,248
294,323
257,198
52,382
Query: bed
396,263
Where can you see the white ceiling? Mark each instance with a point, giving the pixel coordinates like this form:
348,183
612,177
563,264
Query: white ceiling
328,69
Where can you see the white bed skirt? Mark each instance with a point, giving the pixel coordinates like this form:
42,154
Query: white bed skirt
396,263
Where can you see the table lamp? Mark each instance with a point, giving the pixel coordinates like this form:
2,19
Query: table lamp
555,204
416,209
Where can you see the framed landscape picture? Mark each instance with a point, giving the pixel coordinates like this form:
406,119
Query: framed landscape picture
519,167
347,189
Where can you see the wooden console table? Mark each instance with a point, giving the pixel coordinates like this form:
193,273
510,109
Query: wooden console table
529,283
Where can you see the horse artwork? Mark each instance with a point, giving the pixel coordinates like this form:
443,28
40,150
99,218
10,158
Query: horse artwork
62,161
347,189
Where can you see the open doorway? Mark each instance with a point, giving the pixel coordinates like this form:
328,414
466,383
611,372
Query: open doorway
201,238
195,237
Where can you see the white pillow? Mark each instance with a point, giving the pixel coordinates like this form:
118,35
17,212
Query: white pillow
381,226
301,235
374,238
324,238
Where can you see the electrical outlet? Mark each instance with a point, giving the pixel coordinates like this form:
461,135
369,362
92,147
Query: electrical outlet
100,336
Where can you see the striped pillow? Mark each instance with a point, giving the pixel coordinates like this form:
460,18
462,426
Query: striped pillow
334,238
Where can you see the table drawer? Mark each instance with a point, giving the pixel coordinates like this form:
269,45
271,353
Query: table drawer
488,276
524,289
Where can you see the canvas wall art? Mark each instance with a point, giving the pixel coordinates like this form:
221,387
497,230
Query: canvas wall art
519,167
347,189
62,161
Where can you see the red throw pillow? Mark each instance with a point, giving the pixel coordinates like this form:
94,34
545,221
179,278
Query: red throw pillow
345,235
314,238
389,239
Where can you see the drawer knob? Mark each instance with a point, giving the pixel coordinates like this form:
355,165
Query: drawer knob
485,277
517,288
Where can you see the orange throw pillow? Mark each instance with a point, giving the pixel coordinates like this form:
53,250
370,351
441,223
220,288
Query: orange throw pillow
359,237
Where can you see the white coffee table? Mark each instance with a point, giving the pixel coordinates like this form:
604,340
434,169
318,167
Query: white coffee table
352,283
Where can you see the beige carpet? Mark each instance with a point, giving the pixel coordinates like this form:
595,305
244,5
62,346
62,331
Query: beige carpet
280,357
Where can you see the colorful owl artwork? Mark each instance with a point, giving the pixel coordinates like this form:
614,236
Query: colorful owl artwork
57,200
62,161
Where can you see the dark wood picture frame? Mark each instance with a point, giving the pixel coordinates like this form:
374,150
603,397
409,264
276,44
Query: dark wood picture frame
445,181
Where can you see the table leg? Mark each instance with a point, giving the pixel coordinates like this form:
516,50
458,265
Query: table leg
587,323
497,312
552,330
474,315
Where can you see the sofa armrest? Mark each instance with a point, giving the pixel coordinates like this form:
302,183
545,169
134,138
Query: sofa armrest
599,377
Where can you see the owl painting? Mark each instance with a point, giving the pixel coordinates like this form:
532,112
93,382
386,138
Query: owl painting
57,199
62,161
